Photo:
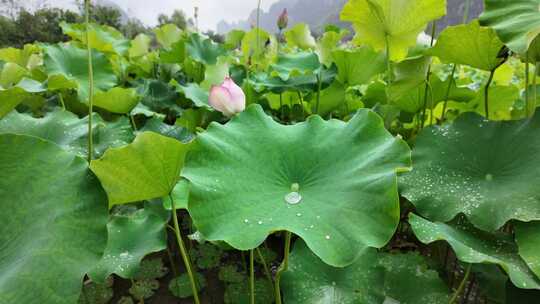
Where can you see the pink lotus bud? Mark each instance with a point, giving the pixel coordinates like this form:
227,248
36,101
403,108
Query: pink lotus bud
283,20
227,98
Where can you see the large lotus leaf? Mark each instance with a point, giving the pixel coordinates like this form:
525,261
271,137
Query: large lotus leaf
300,36
342,170
53,225
215,74
117,100
472,245
68,68
139,46
501,102
157,125
517,22
393,22
146,169
264,81
175,54
469,44
196,94
483,169
359,65
11,74
102,38
203,50
167,35
27,57
295,64
159,96
68,131
372,279
258,48
131,238
528,240
20,93
331,99
327,44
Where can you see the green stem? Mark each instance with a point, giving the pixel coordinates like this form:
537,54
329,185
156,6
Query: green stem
258,28
461,285
536,66
428,76
486,92
90,82
527,84
283,267
302,104
389,75
61,99
450,81
184,253
251,277
281,106
133,124
265,266
319,86
467,10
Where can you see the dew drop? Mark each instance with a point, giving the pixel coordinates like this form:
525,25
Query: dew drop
327,237
489,177
299,214
293,198
246,221
260,222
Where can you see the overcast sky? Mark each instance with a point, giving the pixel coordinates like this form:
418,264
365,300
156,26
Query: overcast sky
210,11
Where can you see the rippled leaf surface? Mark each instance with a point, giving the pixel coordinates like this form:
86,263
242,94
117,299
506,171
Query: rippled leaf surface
372,279
53,224
472,245
486,170
241,175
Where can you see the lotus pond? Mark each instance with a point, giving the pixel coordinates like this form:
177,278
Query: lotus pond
374,166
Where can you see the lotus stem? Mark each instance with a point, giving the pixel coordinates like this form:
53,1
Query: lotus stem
450,81
486,92
527,71
251,277
428,75
90,82
319,86
283,267
461,285
184,253
265,266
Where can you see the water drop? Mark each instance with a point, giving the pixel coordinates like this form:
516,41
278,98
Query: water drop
293,198
327,237
246,221
489,177
299,214
260,222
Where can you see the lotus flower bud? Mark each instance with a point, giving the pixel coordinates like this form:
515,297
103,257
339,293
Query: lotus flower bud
283,20
227,98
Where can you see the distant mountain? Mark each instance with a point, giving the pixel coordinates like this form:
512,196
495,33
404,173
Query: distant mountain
318,13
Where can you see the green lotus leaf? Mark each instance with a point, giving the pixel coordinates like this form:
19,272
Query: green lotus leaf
69,132
157,125
491,282
145,169
102,38
196,94
68,68
11,74
359,65
469,44
327,44
27,57
159,96
180,195
131,238
373,278
478,168
21,93
203,50
233,39
331,99
54,229
215,74
300,36
295,64
342,170
117,100
528,240
501,102
472,245
258,48
516,22
139,46
306,83
393,22
167,35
